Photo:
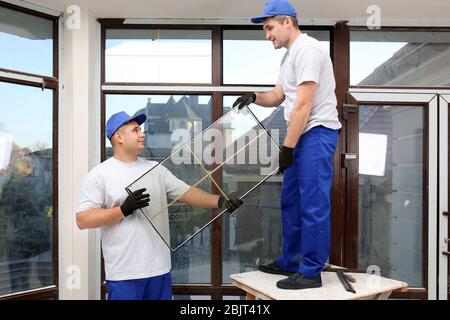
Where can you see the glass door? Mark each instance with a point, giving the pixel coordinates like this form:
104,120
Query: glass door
391,197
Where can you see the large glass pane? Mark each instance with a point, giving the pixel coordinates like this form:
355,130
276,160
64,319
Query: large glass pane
242,66
26,194
161,56
169,120
26,42
236,141
253,235
391,191
399,58
177,222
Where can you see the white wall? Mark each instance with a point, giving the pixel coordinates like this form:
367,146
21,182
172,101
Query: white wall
79,151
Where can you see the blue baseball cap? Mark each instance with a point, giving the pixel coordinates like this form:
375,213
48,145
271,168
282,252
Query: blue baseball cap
119,119
274,8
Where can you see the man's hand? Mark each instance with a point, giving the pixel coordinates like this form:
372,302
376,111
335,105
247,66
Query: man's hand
245,100
286,158
231,204
136,200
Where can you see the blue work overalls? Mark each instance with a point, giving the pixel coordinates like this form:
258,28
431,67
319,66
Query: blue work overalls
305,203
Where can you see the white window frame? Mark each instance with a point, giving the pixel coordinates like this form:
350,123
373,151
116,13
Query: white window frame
444,102
433,98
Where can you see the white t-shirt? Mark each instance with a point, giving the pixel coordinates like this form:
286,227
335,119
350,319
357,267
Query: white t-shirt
132,249
307,60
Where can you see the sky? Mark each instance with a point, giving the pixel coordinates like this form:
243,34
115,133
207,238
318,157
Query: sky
31,56
365,57
26,113
23,107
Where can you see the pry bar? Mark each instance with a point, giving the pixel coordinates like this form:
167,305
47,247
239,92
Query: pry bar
345,282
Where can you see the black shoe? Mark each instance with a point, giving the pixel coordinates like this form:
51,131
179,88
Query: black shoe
300,281
274,268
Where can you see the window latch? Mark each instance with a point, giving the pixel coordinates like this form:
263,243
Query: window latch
345,157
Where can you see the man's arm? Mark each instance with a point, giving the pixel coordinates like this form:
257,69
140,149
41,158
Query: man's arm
98,217
300,113
272,98
198,198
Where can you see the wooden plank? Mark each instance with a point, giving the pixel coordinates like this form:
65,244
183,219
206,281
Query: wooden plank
251,293
250,296
383,295
367,286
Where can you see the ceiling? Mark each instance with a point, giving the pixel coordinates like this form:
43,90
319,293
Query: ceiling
392,10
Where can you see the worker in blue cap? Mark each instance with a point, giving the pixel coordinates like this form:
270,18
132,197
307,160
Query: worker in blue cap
137,261
306,85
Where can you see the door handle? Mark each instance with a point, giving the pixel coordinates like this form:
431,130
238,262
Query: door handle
345,157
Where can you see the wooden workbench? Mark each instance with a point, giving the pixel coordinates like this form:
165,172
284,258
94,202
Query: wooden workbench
263,286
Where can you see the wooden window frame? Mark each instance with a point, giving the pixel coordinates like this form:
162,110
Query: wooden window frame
340,54
216,289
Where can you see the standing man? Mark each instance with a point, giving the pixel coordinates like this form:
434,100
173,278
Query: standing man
137,261
306,85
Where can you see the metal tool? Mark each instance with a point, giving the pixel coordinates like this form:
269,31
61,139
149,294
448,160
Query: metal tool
336,269
347,285
350,277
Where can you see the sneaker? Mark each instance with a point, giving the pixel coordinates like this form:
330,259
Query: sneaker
274,268
300,281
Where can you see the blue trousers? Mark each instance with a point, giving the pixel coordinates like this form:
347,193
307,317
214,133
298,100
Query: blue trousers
305,203
153,288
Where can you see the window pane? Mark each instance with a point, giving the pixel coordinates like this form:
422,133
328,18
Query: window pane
192,262
249,58
26,42
26,196
253,235
161,56
391,191
399,58
165,114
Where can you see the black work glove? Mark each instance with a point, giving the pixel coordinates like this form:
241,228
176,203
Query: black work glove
231,204
286,158
245,100
136,200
